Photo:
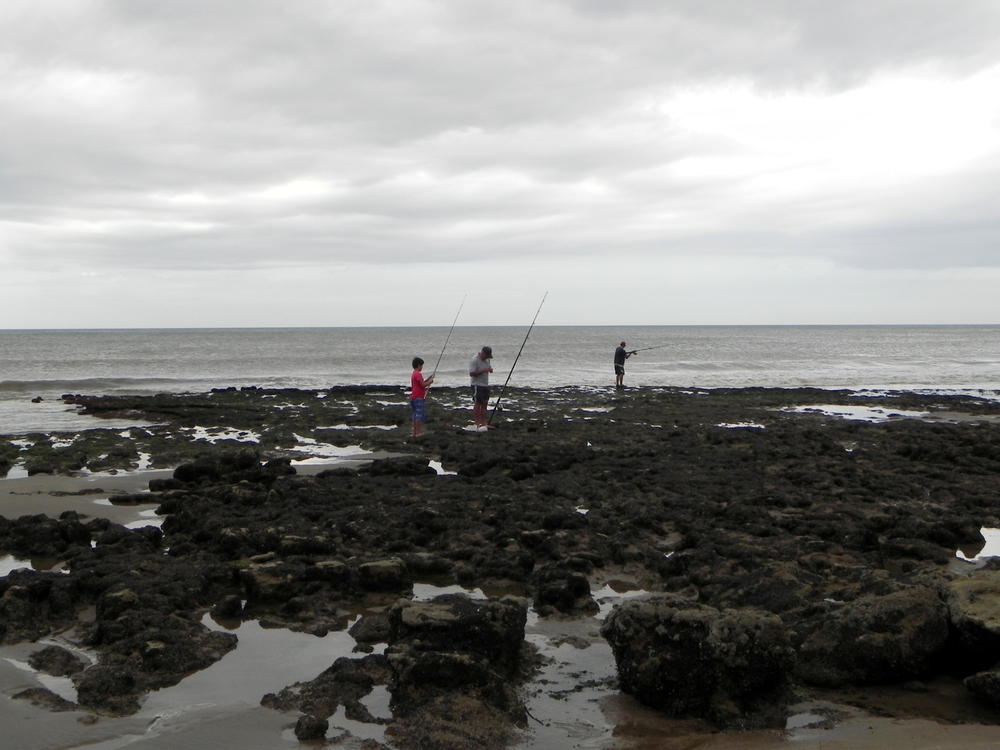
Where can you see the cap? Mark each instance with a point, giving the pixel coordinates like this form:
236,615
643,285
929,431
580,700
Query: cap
487,351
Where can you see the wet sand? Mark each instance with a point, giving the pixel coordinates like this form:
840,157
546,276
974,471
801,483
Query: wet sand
87,495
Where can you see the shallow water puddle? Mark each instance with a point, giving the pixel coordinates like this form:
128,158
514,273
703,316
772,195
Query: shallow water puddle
140,511
801,721
991,547
318,451
377,702
61,686
215,434
16,472
264,661
149,518
344,426
423,592
10,563
564,696
441,471
608,596
856,413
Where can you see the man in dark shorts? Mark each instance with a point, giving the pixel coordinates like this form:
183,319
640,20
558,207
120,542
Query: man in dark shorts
479,374
620,356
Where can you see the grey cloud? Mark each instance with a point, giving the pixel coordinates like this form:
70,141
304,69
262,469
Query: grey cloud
408,69
117,110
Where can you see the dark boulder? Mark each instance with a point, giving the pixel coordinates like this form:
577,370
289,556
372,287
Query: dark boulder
389,575
232,467
21,615
165,485
492,629
730,667
229,607
309,727
974,609
454,663
875,639
42,536
45,698
56,661
407,466
373,628
985,686
559,588
108,689
40,467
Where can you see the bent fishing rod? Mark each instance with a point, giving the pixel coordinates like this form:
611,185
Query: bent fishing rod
497,404
449,335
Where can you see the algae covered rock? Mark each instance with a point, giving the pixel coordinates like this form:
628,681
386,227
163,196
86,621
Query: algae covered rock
730,667
974,607
876,639
986,686
454,663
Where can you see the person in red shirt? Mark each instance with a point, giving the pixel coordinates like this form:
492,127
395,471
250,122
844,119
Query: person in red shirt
418,393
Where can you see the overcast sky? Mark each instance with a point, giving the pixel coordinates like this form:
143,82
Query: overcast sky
367,162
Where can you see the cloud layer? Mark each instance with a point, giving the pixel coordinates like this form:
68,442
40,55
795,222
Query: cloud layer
178,145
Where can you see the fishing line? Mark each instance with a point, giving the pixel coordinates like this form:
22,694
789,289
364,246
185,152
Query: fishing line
497,404
447,421
449,335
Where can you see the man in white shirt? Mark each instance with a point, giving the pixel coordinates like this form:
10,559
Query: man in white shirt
479,374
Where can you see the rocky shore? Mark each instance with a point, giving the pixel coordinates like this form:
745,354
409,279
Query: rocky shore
785,551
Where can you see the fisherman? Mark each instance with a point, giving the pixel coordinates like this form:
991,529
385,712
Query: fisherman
479,375
620,356
418,394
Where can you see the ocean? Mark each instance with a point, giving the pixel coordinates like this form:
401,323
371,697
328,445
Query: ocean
49,363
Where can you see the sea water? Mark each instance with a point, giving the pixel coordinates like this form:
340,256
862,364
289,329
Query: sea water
49,363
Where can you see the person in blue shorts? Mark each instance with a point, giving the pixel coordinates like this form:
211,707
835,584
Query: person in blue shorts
418,395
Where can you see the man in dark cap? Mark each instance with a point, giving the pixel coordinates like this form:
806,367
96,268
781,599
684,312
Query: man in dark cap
479,374
620,356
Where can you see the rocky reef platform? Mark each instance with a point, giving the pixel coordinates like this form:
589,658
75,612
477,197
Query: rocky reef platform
788,544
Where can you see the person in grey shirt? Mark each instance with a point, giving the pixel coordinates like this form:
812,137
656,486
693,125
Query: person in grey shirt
479,374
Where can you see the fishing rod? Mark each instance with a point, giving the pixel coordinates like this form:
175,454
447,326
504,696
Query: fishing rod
646,349
449,335
497,404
